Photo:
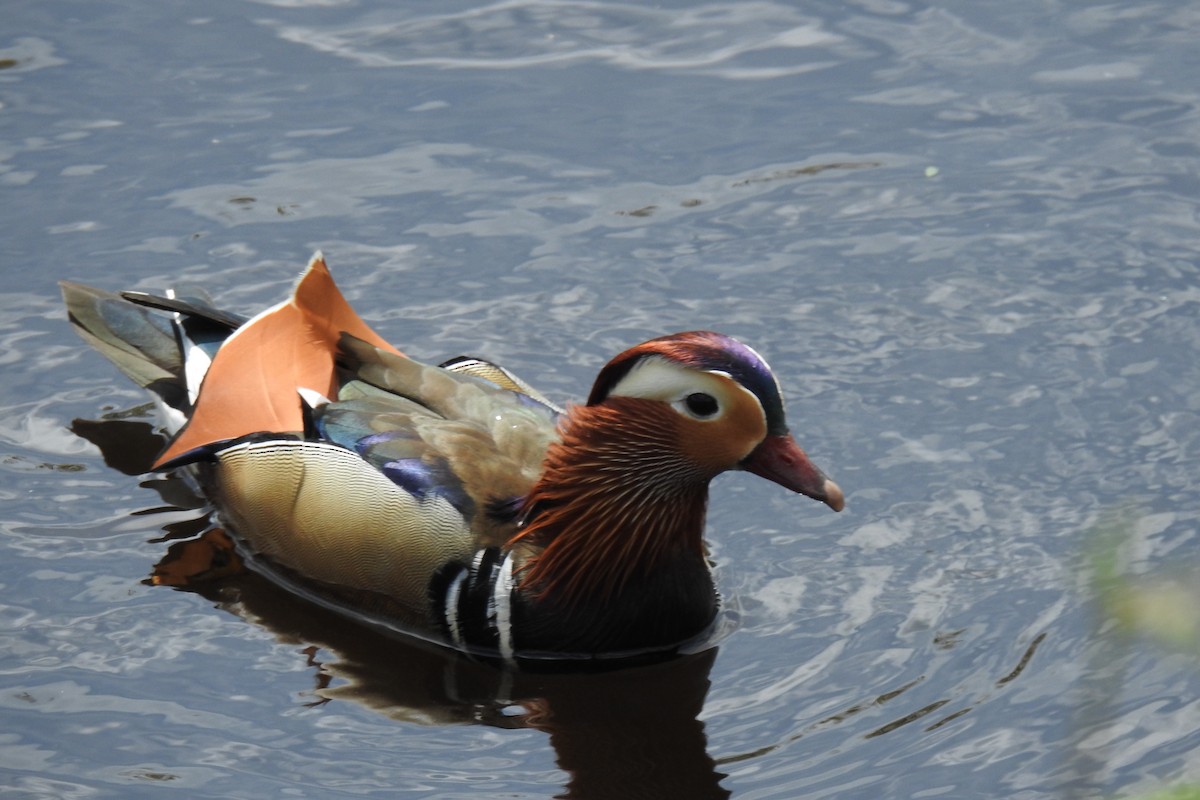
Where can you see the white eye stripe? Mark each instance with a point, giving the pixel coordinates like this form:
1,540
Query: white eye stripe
682,388
656,378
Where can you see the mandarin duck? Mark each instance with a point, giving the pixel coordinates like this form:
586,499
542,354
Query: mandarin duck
455,502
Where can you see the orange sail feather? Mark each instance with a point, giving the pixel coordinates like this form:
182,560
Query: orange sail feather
252,384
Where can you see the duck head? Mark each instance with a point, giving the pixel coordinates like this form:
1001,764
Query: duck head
728,407
624,490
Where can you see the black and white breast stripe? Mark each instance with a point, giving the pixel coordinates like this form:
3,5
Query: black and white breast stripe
475,605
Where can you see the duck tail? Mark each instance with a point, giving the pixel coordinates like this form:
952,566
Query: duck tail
220,376
167,355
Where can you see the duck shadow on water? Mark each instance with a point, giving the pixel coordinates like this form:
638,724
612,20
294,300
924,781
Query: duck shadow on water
623,733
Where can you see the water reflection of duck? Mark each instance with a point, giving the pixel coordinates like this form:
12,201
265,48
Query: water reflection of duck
455,501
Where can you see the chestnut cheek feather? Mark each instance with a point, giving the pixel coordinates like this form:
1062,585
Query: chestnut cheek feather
722,444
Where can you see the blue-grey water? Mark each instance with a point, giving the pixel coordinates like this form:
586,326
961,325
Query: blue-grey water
965,235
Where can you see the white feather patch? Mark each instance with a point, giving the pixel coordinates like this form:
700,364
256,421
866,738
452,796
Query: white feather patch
311,397
452,595
502,598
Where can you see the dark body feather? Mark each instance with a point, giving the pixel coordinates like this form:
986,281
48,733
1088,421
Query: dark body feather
652,613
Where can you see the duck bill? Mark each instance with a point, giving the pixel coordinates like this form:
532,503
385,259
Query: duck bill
780,459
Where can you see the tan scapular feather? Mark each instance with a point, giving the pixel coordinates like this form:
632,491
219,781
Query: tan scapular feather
495,443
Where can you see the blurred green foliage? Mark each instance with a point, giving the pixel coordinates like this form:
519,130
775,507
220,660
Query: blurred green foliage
1162,605
1137,601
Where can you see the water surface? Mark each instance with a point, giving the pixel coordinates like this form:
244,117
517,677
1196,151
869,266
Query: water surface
965,238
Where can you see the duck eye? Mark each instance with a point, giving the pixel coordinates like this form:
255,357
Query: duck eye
700,404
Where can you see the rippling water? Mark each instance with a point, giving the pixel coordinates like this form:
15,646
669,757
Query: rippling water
965,237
